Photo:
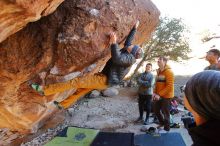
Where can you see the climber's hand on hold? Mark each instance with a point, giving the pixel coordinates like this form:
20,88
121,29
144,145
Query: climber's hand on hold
137,24
113,38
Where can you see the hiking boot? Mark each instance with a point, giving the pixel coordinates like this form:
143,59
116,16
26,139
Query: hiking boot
166,128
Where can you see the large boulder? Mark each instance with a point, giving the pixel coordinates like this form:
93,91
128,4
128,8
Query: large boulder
109,92
15,14
72,41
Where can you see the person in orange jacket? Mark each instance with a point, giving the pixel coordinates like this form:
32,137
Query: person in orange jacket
163,92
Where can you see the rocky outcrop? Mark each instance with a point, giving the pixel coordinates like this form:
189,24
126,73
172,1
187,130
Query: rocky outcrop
15,14
72,41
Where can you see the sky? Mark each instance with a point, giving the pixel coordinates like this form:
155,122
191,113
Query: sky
199,16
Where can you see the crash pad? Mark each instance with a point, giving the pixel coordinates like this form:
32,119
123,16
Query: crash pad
74,136
164,139
114,139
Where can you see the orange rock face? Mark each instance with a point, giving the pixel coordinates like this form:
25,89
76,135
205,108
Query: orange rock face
15,14
70,42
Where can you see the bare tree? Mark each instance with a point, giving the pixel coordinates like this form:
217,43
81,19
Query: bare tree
169,40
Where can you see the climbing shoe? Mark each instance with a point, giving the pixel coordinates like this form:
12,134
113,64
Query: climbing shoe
58,105
38,88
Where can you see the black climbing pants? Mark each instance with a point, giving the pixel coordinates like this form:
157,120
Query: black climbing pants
144,102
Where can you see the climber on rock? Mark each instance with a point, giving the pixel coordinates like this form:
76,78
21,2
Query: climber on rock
122,59
116,68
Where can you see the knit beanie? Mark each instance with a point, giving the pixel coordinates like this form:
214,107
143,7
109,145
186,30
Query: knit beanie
134,50
203,94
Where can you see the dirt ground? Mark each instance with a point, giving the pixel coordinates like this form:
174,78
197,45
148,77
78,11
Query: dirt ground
116,114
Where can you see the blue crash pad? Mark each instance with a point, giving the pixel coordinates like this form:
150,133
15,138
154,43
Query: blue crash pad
165,139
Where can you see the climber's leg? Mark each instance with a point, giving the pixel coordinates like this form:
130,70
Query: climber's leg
97,81
73,98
